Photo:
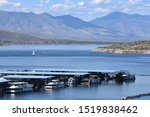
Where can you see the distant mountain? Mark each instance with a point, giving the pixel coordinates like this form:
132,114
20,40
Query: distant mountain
74,22
46,26
129,24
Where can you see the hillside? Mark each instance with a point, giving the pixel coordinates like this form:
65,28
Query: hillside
131,47
129,24
13,38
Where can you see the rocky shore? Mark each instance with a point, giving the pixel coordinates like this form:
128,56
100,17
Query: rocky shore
139,47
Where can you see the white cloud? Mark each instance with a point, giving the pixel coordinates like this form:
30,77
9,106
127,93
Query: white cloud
44,1
17,5
67,5
145,8
3,1
81,3
56,7
147,5
101,10
10,4
101,1
134,1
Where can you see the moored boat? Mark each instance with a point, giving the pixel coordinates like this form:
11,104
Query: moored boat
19,87
71,81
54,84
124,76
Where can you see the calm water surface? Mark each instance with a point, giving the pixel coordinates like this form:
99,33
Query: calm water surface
78,57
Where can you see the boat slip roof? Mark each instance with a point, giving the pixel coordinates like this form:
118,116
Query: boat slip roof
28,77
40,73
76,70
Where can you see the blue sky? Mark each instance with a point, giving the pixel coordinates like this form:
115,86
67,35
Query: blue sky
84,9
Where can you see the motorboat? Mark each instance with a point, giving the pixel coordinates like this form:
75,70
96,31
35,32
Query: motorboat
19,87
124,76
54,84
71,81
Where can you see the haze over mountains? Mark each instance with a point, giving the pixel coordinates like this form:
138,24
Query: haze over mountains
113,27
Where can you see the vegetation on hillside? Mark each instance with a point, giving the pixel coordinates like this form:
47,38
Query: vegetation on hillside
130,47
138,45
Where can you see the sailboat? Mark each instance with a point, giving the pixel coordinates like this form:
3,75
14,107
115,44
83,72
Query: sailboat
33,53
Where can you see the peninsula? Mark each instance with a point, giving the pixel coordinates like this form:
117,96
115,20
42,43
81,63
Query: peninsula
142,47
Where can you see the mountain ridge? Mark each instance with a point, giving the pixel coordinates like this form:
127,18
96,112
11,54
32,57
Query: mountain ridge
66,27
126,23
45,26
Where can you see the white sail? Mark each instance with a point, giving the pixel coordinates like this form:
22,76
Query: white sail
33,53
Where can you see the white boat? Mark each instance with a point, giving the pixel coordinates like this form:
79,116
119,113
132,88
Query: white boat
71,81
33,53
19,87
54,84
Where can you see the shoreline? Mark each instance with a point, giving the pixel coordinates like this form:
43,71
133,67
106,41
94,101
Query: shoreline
119,51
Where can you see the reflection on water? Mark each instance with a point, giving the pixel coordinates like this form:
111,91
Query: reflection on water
12,96
81,58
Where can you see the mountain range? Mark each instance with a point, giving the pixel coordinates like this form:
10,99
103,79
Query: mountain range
129,24
29,26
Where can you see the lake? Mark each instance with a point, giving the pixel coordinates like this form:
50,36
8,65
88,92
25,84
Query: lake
77,57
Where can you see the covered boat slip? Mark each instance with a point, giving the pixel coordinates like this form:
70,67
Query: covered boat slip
37,81
3,84
63,74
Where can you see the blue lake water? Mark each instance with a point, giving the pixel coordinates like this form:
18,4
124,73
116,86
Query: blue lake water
78,57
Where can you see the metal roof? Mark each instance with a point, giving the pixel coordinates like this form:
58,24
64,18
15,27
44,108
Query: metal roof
40,73
28,77
76,70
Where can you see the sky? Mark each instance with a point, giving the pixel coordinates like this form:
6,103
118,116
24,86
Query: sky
84,9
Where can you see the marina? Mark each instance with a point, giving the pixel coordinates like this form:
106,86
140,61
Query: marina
52,79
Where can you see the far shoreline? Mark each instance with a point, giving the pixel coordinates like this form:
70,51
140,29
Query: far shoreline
118,51
137,47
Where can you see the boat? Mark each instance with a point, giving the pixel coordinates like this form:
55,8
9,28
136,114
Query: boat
54,84
89,81
124,76
33,53
71,81
19,87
